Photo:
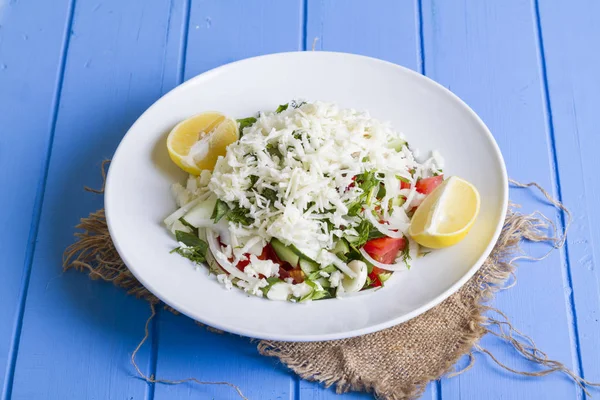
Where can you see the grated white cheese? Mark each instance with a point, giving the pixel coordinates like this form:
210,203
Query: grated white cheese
292,175
304,160
224,279
266,268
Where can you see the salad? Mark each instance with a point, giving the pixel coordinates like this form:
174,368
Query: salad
309,201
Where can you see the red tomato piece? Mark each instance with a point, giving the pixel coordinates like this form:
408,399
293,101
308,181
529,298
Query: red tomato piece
246,258
385,249
404,185
427,185
375,279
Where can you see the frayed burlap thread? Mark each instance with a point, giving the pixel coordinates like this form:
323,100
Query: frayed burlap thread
393,364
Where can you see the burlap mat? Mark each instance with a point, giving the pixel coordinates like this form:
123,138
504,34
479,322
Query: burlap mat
395,363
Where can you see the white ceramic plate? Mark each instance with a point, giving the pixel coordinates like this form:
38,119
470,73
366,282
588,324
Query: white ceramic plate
138,197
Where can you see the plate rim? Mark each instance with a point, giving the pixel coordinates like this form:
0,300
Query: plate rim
330,336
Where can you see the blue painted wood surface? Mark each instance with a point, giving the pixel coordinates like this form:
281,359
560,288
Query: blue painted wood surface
75,74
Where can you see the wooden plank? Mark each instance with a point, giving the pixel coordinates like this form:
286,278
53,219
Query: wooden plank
384,29
219,34
569,32
486,52
31,47
77,335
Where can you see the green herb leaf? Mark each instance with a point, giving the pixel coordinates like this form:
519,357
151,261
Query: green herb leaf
220,210
195,249
269,194
282,108
363,229
253,180
273,150
374,233
402,179
239,215
366,181
188,225
355,208
191,240
245,123
406,255
381,192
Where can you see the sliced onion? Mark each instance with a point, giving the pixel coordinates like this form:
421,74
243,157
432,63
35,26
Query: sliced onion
383,228
342,266
388,267
170,220
214,246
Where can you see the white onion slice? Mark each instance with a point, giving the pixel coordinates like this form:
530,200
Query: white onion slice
339,264
383,228
388,267
352,285
214,246
170,220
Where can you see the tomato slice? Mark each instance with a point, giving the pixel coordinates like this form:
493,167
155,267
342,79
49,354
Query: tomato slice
285,269
385,249
246,258
375,279
404,185
427,185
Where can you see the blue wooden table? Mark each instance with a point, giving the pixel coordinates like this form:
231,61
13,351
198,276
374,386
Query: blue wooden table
75,74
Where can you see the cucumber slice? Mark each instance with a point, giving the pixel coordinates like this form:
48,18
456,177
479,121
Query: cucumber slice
308,266
199,216
324,282
284,252
341,247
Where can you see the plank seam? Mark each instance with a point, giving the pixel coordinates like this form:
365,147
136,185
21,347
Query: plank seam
436,387
37,211
420,36
566,265
153,361
303,45
184,40
304,25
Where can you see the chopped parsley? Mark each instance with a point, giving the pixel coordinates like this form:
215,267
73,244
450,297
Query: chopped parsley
237,214
245,123
221,209
240,215
194,248
406,255
253,180
282,108
269,194
188,225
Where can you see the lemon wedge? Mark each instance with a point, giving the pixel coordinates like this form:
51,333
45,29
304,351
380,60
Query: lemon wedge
196,143
446,215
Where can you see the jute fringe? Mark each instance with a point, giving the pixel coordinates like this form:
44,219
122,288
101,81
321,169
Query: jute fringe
396,363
